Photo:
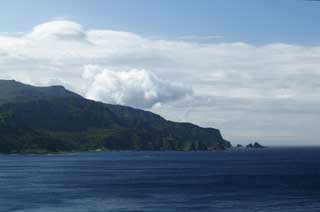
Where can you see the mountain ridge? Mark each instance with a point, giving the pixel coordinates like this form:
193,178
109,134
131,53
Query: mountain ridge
54,119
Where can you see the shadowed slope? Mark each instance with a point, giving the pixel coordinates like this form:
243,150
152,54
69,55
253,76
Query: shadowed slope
53,119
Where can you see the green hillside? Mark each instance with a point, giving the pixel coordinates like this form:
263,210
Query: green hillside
53,119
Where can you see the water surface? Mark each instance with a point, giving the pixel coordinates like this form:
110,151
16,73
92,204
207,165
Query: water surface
268,180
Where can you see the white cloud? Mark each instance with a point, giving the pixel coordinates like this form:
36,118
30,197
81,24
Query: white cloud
235,85
58,29
137,88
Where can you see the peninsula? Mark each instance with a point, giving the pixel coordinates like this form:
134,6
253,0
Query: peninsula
53,119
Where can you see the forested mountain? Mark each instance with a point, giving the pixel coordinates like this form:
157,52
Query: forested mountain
53,119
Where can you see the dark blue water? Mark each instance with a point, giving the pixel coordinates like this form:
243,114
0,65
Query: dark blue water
286,180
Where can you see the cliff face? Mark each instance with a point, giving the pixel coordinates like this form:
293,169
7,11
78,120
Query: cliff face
53,119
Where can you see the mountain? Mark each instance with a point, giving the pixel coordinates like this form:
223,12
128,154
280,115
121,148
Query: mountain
53,119
13,91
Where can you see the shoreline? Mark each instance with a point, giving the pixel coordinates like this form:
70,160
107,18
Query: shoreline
230,150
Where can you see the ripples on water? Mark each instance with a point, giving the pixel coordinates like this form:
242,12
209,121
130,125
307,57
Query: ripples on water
268,180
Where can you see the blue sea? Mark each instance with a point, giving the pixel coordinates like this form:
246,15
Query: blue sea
264,180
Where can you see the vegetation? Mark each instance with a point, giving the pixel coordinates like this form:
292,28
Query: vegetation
53,119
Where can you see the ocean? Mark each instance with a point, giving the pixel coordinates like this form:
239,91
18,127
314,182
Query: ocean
262,180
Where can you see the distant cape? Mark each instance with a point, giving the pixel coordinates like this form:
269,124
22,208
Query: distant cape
53,119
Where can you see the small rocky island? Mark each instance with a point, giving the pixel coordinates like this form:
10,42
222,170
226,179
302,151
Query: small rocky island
255,145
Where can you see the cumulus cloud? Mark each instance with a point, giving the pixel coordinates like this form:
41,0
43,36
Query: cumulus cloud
232,86
59,29
137,88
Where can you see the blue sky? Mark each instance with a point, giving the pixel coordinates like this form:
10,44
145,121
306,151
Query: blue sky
253,21
249,67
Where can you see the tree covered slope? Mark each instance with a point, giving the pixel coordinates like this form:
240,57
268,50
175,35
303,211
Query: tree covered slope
53,119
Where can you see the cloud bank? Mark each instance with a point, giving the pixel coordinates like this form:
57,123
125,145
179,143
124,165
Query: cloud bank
239,87
137,88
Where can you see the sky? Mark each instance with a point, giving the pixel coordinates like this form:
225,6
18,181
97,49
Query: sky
249,68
